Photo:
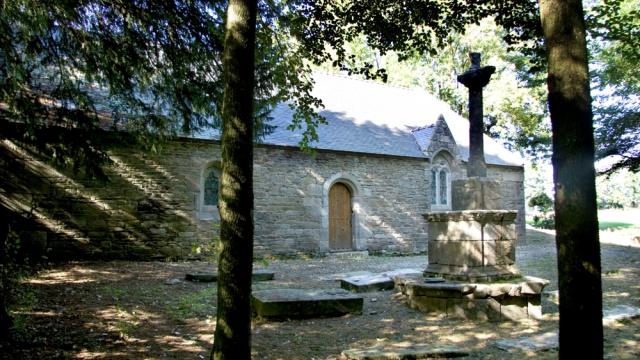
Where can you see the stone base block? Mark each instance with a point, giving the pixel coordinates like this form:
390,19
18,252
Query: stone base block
474,309
282,304
483,302
473,273
475,194
427,304
514,308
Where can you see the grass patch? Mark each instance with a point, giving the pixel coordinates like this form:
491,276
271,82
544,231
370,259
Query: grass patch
614,225
199,305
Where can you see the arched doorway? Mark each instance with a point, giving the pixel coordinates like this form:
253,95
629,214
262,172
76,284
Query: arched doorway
340,218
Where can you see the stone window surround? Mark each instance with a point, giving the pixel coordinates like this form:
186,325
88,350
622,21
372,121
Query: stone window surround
356,205
441,162
208,212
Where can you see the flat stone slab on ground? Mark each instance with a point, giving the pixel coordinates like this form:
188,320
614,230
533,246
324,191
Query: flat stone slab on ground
546,341
258,275
340,276
404,351
305,303
366,282
620,312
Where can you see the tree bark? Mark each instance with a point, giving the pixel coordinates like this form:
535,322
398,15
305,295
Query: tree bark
232,338
6,322
576,216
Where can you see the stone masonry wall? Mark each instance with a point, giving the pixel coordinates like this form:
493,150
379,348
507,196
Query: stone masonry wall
145,211
151,208
291,190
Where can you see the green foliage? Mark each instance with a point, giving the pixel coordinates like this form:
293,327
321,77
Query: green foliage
620,189
69,69
544,217
614,28
542,202
325,28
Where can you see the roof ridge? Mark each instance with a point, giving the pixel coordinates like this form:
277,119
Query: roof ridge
423,127
371,81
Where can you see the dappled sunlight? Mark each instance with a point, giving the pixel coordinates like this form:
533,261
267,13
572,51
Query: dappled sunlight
147,184
128,311
74,275
62,181
86,354
44,219
65,215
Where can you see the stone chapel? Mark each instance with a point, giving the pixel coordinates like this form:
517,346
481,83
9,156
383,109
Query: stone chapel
386,156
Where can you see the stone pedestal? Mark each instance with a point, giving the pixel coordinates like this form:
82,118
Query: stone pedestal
472,245
476,193
485,302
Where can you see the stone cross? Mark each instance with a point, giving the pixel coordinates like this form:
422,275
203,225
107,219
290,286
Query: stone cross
475,79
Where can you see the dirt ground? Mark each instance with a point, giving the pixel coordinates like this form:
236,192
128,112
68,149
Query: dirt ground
133,310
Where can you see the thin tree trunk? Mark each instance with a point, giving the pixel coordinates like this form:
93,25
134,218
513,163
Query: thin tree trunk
574,177
5,319
233,326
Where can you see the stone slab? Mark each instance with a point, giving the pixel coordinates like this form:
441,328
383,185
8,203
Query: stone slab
344,275
201,277
539,342
473,273
619,312
258,275
405,351
403,272
495,216
440,290
305,303
262,275
367,283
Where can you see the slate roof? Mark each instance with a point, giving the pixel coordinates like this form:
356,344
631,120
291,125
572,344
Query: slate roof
374,118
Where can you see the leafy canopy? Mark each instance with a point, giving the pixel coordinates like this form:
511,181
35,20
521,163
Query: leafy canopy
326,27
69,69
614,29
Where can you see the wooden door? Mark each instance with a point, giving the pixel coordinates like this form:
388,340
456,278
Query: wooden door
340,218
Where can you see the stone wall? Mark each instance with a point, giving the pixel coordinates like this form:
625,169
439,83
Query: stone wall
151,208
145,211
291,200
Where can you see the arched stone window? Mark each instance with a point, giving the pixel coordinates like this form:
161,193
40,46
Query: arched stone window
440,184
211,186
209,192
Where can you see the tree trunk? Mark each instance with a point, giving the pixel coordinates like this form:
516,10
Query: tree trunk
233,326
574,177
5,319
